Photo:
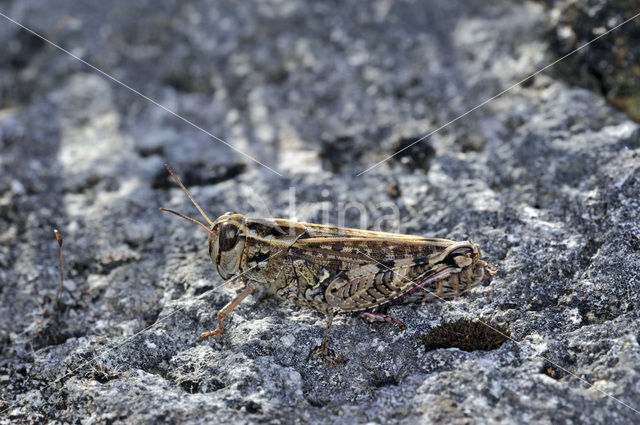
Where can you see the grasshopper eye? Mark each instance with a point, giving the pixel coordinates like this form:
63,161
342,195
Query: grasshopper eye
228,236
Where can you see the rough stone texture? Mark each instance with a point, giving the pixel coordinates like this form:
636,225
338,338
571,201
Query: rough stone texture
546,179
611,65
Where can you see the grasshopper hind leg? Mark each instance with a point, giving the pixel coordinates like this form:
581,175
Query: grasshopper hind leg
373,316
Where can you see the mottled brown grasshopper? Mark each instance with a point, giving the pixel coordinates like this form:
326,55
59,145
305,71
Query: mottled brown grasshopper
335,269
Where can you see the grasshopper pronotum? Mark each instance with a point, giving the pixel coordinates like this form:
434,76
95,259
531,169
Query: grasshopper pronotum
335,269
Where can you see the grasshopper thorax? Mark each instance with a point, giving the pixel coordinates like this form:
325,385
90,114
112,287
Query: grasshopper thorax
227,238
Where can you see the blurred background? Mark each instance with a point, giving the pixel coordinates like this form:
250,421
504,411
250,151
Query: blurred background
258,103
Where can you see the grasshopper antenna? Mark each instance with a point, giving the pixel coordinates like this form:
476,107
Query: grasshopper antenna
193,220
182,186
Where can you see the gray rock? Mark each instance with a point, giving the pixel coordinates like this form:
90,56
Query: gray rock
546,179
609,66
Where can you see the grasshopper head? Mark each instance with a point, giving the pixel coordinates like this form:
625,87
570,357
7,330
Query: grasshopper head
227,238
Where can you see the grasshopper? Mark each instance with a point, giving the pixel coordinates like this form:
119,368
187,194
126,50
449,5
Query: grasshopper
335,269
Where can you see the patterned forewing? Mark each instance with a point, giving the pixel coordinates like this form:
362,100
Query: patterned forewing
345,253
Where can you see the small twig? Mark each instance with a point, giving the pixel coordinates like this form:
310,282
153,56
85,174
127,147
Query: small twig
59,239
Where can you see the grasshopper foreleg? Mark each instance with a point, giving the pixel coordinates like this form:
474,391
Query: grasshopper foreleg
227,309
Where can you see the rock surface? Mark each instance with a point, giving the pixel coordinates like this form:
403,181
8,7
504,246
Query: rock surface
610,65
546,179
